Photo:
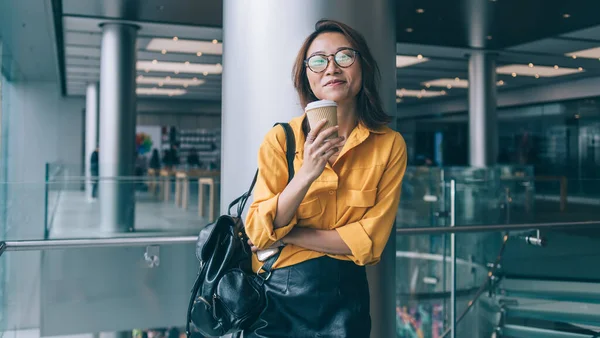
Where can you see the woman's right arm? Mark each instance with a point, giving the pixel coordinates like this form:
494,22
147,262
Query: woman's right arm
272,214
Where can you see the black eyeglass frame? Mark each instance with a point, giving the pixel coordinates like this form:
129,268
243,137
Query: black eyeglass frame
354,51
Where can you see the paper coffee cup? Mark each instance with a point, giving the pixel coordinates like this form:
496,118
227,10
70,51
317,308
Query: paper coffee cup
319,110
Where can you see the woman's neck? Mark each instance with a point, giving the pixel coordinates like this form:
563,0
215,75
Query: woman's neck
347,118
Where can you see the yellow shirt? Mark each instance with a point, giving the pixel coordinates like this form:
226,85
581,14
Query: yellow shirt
358,196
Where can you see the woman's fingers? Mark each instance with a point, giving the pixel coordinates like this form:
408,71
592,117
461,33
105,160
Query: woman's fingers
323,135
314,132
331,145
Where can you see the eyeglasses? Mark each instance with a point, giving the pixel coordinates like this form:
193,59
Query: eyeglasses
343,58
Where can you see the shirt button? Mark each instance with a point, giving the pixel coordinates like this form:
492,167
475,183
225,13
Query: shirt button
331,192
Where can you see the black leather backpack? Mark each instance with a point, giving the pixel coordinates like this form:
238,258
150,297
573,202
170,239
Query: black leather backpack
227,296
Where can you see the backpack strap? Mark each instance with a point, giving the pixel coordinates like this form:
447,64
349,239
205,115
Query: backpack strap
290,153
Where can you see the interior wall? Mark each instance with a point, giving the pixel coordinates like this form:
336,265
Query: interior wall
43,127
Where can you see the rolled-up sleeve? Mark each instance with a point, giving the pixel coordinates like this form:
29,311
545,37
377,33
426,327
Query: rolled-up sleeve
272,179
367,237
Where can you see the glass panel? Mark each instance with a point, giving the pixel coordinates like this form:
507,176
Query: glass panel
76,291
173,201
534,291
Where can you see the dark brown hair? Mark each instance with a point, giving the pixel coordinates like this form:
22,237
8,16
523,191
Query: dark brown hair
369,108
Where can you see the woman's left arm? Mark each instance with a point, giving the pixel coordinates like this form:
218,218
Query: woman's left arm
362,241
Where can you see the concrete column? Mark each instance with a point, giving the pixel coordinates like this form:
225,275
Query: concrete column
483,134
117,126
91,132
483,128
256,95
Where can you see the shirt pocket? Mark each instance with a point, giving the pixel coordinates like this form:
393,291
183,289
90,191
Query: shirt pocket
361,198
309,209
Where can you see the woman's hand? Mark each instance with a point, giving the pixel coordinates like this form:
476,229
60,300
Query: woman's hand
317,150
275,245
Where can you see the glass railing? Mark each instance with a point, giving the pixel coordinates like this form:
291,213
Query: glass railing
533,291
538,284
60,206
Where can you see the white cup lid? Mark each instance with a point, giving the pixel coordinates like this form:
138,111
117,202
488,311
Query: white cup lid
320,104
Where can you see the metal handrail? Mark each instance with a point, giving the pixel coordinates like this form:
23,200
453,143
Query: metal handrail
158,240
93,243
495,228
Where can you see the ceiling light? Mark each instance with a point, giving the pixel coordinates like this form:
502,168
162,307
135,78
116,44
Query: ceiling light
409,30
537,76
195,79
420,10
500,83
448,83
566,15
170,81
168,67
591,53
185,85
555,66
154,62
185,46
417,93
580,69
175,38
140,77
160,84
187,63
215,41
405,61
205,73
160,91
398,100
199,54
443,92
176,72
164,51
530,65
542,71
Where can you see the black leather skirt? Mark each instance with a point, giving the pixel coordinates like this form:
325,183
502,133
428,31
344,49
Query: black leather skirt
322,297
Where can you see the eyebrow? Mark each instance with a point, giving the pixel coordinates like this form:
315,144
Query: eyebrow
322,52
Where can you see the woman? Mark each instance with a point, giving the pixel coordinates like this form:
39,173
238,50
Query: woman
337,213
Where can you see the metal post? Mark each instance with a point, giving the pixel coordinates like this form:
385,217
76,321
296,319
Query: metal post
453,258
47,175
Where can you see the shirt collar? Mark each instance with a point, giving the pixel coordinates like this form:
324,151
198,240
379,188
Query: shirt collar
361,132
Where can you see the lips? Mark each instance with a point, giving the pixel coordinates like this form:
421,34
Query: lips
334,82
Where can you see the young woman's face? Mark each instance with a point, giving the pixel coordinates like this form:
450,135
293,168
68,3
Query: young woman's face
339,84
